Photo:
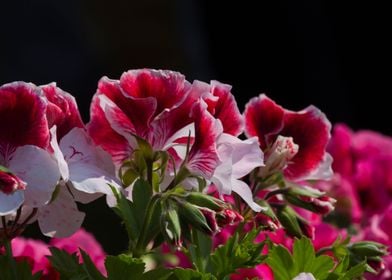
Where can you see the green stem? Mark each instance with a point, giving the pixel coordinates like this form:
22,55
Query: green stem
141,244
197,259
11,260
324,250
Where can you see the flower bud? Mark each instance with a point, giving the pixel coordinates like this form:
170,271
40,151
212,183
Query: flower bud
267,222
368,249
229,217
289,220
205,200
170,226
194,217
210,218
9,183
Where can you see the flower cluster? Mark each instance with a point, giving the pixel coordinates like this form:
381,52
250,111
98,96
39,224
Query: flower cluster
170,158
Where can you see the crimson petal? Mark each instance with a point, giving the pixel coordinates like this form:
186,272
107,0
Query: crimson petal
310,130
23,117
263,117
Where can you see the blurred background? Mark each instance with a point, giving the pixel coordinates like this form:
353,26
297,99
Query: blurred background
333,55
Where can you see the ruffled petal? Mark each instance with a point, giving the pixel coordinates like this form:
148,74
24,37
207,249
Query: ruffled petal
225,109
39,170
263,117
203,156
104,135
23,119
9,203
60,218
62,109
310,130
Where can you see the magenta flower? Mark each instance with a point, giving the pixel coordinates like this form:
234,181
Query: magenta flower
295,141
24,143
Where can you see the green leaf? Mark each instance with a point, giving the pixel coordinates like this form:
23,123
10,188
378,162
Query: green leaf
123,266
141,196
23,269
189,274
354,272
67,264
237,253
90,267
281,263
157,274
303,255
288,218
322,267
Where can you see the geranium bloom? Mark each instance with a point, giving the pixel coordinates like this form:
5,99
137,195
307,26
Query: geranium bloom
292,141
24,140
363,161
164,109
85,169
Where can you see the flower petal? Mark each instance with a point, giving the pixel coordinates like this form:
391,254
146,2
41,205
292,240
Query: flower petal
62,164
203,157
104,135
60,218
310,130
23,120
246,154
91,168
39,170
243,190
225,109
9,203
263,117
62,109
166,87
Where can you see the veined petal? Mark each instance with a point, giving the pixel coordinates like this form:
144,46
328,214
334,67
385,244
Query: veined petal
243,190
23,119
104,135
310,130
9,203
225,109
245,156
60,218
62,109
168,88
138,110
263,117
39,170
203,157
91,168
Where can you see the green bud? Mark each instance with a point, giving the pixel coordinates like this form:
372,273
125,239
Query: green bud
205,200
170,225
194,217
368,249
288,218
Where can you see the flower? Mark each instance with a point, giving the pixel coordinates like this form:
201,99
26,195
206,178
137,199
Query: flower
85,169
24,144
299,139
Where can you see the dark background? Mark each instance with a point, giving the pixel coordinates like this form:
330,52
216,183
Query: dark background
333,55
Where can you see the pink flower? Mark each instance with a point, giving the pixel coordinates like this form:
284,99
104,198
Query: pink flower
363,161
297,139
85,241
24,140
34,251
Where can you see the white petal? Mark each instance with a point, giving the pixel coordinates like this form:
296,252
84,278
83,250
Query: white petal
246,155
82,196
61,218
9,203
223,176
91,168
63,166
304,276
245,193
39,170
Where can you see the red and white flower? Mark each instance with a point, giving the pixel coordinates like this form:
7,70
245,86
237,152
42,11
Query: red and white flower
297,139
85,169
160,107
24,143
